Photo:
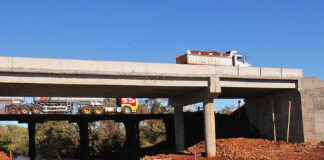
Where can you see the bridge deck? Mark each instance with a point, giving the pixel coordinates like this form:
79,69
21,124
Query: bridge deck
75,117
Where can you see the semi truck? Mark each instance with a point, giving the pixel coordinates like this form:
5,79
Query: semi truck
229,58
85,105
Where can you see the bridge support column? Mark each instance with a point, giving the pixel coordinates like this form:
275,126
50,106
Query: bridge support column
169,129
31,133
179,129
132,134
210,131
84,140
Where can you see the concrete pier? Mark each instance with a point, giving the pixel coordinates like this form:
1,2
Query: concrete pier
210,132
132,134
84,140
179,129
32,148
169,129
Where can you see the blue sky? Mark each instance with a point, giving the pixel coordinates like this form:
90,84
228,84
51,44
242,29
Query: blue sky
287,34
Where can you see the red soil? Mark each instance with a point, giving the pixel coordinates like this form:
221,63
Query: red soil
3,156
244,148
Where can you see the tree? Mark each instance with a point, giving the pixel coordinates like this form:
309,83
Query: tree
106,137
14,138
153,131
227,109
56,139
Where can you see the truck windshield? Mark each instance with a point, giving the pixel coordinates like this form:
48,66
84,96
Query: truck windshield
240,59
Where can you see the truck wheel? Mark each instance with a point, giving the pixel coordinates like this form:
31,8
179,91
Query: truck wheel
24,109
98,110
13,109
127,110
86,110
36,109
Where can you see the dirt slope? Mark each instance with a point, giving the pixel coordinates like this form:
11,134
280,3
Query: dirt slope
3,156
244,148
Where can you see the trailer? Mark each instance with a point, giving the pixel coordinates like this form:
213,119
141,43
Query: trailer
61,105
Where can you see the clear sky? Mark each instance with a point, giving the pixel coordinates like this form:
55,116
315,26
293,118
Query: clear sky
276,33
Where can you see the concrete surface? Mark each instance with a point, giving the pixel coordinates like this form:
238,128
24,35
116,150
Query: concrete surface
183,84
307,112
179,129
63,66
81,78
260,112
313,108
210,131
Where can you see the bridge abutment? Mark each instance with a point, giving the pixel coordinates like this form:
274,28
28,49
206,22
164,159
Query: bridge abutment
277,116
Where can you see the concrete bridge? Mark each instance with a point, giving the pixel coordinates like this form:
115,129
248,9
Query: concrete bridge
182,84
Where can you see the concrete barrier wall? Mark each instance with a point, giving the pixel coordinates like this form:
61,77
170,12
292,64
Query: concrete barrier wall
63,66
271,72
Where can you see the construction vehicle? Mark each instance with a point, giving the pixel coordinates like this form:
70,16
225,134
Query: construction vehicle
229,58
85,105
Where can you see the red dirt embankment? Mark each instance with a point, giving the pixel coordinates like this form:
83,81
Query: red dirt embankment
244,148
3,156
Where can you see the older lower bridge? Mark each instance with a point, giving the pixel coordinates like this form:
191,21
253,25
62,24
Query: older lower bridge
130,121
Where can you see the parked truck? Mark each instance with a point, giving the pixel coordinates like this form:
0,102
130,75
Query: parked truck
229,58
85,105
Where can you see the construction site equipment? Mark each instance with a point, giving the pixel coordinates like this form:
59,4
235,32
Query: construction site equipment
229,58
85,105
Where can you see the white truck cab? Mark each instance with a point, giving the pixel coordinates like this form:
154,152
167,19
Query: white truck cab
239,60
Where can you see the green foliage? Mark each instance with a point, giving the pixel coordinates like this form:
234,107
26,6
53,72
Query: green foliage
153,131
106,137
14,138
56,139
155,105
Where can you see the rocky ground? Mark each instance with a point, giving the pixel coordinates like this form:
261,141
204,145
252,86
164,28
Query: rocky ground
244,148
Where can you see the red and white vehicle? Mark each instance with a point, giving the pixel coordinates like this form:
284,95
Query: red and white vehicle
85,105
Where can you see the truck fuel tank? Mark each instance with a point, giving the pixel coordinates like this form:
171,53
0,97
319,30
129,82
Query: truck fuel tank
14,100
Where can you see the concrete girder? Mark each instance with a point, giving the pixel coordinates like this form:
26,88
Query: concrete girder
81,79
258,83
212,91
